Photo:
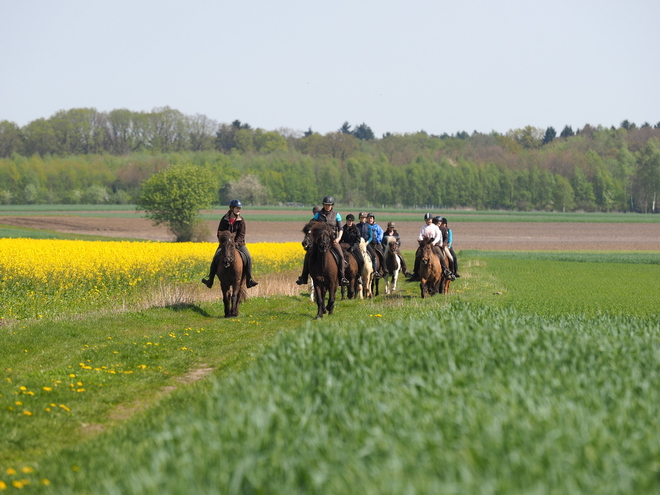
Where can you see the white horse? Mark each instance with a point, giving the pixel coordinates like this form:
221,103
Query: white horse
392,263
367,271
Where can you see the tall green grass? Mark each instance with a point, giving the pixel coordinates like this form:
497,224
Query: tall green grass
462,400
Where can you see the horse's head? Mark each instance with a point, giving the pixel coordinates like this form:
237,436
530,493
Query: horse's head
392,245
427,250
228,248
307,240
321,234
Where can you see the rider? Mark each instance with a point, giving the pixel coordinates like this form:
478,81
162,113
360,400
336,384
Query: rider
449,246
351,238
376,240
332,218
302,280
367,234
445,239
233,222
392,232
430,230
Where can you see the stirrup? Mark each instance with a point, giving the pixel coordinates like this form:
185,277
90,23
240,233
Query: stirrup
251,283
344,282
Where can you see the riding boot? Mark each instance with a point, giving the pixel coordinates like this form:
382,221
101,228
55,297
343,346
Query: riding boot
302,280
342,274
404,268
249,281
213,270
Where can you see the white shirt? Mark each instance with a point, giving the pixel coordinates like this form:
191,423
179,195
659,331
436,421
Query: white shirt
432,231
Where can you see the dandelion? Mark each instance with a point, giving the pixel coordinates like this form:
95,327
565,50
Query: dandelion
45,482
27,413
3,485
10,471
47,389
27,470
17,484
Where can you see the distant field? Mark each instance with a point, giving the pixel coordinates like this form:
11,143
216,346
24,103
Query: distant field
301,214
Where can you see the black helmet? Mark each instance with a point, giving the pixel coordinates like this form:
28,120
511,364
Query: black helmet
428,216
235,202
444,220
437,220
316,209
350,217
371,215
328,200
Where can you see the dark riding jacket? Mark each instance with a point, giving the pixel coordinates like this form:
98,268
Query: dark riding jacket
351,235
237,227
365,231
331,217
387,235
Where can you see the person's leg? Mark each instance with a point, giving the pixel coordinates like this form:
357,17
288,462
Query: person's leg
445,269
302,280
374,259
404,268
249,281
418,259
451,250
358,256
342,276
381,258
213,269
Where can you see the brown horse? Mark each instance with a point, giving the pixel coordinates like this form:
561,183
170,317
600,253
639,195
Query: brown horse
323,267
430,269
351,274
231,275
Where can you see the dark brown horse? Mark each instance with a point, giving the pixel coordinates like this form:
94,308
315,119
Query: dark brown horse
231,275
430,269
351,273
323,267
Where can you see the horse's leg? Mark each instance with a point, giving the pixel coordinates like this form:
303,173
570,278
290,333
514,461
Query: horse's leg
320,303
395,278
422,286
226,300
311,289
332,291
235,299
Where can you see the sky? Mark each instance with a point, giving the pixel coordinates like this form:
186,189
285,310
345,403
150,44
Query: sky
399,66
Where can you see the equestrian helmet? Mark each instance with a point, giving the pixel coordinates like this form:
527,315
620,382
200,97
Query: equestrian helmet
316,209
235,202
328,200
371,215
350,217
390,225
362,214
428,216
437,220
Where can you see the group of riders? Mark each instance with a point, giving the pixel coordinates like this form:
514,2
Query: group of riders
348,237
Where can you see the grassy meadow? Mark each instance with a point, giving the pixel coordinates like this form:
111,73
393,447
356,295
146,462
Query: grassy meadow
539,373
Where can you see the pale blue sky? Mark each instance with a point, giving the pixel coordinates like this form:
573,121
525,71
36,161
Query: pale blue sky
399,66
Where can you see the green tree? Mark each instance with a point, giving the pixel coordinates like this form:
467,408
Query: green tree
11,140
175,196
550,135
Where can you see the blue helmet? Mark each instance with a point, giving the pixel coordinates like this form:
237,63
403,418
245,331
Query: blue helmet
235,202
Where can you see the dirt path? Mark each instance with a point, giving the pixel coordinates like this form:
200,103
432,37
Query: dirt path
467,235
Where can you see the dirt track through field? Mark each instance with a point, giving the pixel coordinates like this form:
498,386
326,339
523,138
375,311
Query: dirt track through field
468,235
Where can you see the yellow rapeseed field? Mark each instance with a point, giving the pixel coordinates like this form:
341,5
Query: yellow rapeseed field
39,277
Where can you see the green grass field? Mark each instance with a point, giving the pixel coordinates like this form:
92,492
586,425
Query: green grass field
539,373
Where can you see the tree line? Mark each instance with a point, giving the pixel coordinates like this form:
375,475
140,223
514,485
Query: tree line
86,156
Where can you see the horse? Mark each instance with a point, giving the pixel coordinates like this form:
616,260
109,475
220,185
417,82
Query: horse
231,274
430,269
351,273
323,267
367,270
392,264
444,283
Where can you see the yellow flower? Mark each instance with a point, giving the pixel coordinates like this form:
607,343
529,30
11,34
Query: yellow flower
10,471
3,485
45,482
47,389
27,470
27,413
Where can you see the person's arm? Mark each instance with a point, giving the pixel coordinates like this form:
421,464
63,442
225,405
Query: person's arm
340,230
449,238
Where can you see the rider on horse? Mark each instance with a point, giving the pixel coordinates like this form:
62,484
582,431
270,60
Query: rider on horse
233,222
432,231
447,238
367,233
392,232
376,240
333,219
351,237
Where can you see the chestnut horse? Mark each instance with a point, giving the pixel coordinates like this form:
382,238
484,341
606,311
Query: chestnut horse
231,274
323,267
430,269
392,264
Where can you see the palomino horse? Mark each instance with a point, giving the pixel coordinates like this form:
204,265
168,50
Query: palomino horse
430,269
392,264
367,270
231,275
323,267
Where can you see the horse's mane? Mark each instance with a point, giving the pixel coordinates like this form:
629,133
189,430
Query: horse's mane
226,238
308,227
319,229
